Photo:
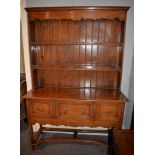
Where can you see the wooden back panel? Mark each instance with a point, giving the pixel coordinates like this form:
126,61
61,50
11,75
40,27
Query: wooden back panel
72,52
101,30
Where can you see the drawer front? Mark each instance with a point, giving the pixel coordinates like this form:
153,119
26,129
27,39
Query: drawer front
41,108
77,113
110,114
74,110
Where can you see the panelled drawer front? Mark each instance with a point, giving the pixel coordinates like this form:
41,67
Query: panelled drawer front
74,110
87,113
110,113
41,108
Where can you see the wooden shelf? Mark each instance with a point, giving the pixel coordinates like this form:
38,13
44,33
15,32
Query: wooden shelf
84,68
77,43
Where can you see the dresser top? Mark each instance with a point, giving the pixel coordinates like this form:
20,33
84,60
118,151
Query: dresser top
77,13
76,94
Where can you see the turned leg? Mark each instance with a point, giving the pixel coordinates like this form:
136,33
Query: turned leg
41,127
75,134
31,136
33,147
30,127
110,141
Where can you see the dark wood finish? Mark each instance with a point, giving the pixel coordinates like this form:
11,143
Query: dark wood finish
123,142
76,58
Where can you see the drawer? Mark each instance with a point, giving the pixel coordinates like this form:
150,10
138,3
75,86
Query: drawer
110,113
41,108
74,110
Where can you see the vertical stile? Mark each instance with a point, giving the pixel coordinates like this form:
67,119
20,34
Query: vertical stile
49,49
79,41
98,39
36,31
60,46
33,51
79,62
41,39
54,51
105,47
55,64
73,51
113,35
85,39
79,52
107,75
46,30
79,25
61,72
37,54
97,53
91,59
92,45
85,23
115,81
50,64
77,56
43,30
118,34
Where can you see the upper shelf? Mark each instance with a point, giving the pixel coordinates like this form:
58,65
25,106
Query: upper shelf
79,68
77,43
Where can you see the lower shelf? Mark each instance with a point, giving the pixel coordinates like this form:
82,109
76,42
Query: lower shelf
38,141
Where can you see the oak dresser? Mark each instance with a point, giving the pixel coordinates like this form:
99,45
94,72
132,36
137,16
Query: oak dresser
76,60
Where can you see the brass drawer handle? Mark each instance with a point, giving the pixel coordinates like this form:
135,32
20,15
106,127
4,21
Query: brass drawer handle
108,114
82,111
65,110
40,110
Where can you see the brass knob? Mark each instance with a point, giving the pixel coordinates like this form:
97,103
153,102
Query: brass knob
82,111
65,110
40,110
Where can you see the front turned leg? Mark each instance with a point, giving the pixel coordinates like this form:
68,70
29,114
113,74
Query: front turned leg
31,137
33,147
110,141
